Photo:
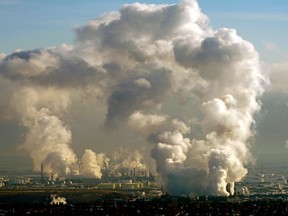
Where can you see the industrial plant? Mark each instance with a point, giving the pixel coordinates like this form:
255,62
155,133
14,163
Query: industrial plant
137,192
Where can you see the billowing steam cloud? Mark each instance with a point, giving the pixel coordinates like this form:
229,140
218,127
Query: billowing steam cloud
48,139
160,70
123,161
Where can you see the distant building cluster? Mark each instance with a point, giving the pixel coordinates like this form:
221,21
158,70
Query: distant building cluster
260,181
262,192
139,183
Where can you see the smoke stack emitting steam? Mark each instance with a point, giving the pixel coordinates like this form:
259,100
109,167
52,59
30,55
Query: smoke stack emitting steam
139,62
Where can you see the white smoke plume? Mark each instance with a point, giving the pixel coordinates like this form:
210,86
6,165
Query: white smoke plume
123,161
92,164
159,70
47,139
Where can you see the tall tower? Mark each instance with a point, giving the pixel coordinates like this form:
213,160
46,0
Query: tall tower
42,172
230,188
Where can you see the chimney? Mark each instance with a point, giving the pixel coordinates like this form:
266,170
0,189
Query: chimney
42,173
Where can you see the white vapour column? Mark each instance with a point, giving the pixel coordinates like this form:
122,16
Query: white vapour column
162,73
123,161
165,54
92,164
48,139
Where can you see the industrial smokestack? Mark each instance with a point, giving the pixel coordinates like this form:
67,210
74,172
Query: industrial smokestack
228,188
42,173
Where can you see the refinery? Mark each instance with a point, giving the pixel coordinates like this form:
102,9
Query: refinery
139,183
137,193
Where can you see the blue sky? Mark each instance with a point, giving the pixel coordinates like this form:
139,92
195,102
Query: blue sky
29,24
